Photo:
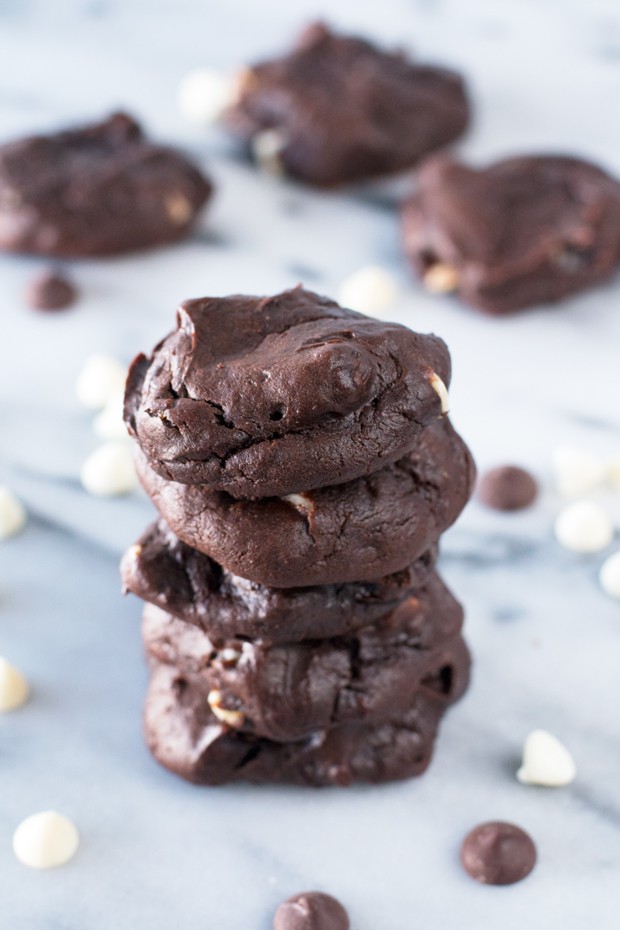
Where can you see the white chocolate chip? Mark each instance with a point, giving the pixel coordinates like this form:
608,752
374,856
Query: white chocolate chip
441,278
133,553
109,423
12,514
178,208
370,290
439,387
101,378
546,761
109,470
45,840
609,575
204,94
613,472
14,688
266,147
232,718
584,527
301,502
229,657
576,471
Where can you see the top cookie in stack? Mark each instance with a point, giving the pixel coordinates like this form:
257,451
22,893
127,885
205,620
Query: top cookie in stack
273,396
304,448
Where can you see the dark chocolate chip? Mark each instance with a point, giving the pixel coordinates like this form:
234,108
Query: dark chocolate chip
498,853
507,487
311,910
50,291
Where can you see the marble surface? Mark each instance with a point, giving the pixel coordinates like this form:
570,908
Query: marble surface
544,76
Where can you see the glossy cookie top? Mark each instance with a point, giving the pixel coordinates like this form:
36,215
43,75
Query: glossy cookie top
338,109
96,190
271,396
525,230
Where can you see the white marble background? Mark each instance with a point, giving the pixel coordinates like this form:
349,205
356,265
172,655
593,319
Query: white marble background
156,852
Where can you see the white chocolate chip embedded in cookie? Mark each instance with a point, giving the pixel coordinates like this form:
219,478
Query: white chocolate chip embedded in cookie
178,208
441,390
301,502
266,148
232,718
441,278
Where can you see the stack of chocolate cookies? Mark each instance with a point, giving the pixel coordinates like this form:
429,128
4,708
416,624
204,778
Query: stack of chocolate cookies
303,466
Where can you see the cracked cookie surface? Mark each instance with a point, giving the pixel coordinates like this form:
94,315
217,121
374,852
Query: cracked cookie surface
358,531
272,396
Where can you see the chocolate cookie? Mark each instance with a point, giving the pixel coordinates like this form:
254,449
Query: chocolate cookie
269,396
96,190
338,109
186,738
286,692
524,231
166,572
359,531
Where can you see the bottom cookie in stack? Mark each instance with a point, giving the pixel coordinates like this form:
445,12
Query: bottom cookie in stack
185,737
360,707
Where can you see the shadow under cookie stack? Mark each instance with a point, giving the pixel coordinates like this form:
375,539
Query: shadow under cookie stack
304,468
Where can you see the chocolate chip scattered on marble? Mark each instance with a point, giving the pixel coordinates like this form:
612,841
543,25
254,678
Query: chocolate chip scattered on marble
498,853
311,910
51,290
507,487
12,513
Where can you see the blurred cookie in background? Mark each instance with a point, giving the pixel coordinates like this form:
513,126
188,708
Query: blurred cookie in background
524,231
95,190
337,109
